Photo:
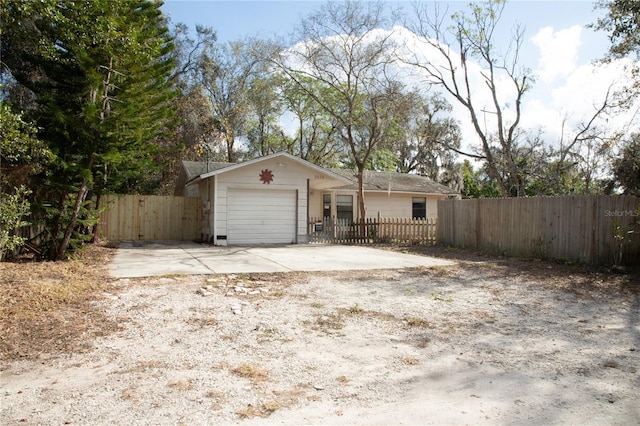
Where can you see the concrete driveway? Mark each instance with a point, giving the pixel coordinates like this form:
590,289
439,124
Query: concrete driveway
145,259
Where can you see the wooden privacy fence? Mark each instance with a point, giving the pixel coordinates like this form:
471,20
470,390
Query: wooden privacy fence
150,217
372,231
598,229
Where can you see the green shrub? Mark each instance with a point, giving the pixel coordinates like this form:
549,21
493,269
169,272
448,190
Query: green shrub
13,209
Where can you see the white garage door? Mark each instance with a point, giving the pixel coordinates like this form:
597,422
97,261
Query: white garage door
261,216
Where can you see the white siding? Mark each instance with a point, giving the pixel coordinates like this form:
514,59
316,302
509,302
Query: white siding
315,202
394,205
398,205
432,205
287,176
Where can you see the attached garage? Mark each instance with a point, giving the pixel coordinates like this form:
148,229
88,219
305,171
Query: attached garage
261,201
261,216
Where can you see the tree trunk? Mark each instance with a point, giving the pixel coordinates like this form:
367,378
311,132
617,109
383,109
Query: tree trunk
80,197
361,205
96,207
230,153
57,225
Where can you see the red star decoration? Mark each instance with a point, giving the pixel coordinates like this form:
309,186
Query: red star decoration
266,176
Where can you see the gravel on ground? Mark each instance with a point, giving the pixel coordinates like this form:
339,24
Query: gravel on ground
489,341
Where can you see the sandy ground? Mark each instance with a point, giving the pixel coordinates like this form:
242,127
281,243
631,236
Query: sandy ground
480,343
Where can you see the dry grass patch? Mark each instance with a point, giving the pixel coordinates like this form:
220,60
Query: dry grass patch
218,399
448,271
357,310
144,366
415,322
328,322
484,316
202,322
181,385
130,393
45,306
410,360
251,372
287,398
261,410
342,379
280,399
277,281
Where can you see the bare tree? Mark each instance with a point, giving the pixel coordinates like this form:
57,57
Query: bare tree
474,38
491,84
342,65
591,140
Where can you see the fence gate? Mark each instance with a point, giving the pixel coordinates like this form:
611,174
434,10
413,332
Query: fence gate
150,217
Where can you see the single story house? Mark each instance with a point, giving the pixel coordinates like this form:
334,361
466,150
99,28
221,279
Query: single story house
270,200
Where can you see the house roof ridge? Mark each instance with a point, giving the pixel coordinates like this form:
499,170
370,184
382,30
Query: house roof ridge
375,180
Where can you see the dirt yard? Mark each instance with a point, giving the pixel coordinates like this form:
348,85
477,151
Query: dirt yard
490,341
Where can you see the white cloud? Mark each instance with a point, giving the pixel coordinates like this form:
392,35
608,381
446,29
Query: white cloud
540,115
587,86
566,93
558,52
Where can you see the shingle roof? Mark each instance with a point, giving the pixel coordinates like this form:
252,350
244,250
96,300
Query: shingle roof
196,168
396,182
373,181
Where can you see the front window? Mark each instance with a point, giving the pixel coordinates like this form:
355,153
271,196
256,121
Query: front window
326,205
344,206
419,210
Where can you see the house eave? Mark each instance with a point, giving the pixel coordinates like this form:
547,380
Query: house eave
393,191
384,191
288,156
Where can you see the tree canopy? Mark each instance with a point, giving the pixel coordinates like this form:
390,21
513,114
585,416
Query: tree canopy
622,22
342,66
96,74
626,167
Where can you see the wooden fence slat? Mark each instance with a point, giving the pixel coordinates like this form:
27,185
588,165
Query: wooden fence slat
150,217
573,228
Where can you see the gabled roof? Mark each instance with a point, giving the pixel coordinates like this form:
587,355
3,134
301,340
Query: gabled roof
286,155
395,182
193,171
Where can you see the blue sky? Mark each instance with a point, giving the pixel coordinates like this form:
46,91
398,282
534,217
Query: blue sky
237,19
559,47
234,20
